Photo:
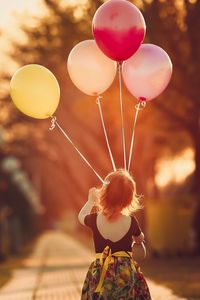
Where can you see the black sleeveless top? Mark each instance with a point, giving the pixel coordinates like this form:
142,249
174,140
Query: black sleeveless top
124,244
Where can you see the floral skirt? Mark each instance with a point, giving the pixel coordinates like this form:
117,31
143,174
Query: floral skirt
123,281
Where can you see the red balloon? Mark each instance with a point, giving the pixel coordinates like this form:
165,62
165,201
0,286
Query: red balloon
118,29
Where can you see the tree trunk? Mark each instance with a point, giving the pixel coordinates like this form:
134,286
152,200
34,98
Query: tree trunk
197,166
196,182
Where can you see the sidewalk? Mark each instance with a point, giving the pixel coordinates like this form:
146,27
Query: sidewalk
56,270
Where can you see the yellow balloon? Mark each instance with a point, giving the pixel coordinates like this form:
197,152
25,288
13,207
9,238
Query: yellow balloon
35,91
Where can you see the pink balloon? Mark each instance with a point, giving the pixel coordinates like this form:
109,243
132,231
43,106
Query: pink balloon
148,72
118,29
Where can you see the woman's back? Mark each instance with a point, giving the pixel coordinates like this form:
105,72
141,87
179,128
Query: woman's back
118,234
114,230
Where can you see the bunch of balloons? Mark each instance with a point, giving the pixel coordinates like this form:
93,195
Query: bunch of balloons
118,30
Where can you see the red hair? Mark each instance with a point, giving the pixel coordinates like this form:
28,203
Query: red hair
118,192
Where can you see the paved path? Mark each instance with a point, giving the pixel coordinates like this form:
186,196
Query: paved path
56,270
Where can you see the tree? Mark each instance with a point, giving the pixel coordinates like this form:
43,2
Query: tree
172,121
49,43
172,25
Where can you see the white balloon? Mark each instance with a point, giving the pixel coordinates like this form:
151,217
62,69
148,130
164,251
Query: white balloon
90,70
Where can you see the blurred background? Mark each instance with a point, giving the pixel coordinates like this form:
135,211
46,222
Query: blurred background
43,181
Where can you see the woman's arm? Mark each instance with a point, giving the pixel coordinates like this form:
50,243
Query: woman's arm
87,208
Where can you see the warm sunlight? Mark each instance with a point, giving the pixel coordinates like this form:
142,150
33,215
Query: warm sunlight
11,8
16,12
175,169
75,76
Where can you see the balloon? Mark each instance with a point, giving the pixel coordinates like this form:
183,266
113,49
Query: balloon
89,69
147,73
35,91
118,29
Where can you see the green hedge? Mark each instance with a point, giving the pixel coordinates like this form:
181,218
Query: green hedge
169,226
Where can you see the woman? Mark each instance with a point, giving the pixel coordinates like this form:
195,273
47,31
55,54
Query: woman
114,274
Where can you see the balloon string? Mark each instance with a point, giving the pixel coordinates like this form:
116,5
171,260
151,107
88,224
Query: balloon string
143,248
121,110
54,123
141,105
105,133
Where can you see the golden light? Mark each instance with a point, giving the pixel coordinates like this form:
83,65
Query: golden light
25,8
175,169
16,12
192,1
10,9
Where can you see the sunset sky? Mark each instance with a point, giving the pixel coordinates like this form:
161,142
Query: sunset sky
10,8
14,12
33,7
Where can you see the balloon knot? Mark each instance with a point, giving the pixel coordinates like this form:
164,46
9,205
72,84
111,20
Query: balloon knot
99,98
142,99
119,65
141,105
53,123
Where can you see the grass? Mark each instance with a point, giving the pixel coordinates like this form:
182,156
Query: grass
7,267
182,275
12,263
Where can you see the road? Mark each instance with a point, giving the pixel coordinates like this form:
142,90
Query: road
56,270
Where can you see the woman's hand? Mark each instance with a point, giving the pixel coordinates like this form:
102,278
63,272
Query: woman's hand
93,195
87,208
139,239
